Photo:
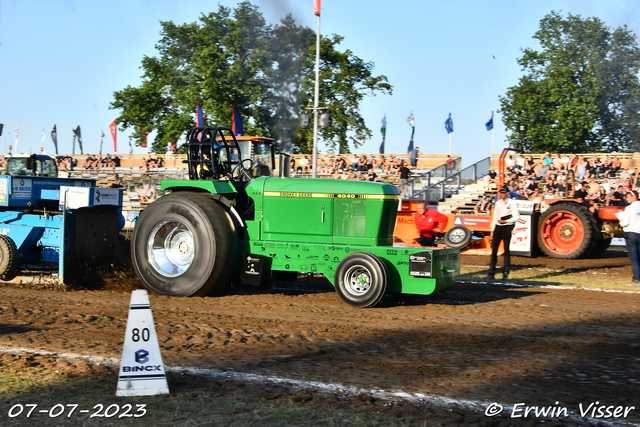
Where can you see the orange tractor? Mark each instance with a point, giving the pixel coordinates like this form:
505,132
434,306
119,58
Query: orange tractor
560,228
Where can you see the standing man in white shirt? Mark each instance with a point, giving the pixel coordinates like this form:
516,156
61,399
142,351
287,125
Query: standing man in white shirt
630,222
505,215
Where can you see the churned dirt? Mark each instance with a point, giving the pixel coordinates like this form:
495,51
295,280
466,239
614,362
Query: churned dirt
476,344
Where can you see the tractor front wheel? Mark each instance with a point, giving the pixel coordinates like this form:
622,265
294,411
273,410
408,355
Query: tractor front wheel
185,244
567,230
361,279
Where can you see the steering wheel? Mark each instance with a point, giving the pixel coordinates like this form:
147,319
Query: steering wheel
241,169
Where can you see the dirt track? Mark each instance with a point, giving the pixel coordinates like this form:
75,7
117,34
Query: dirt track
481,342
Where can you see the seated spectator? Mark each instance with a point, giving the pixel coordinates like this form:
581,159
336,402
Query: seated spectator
615,165
160,162
493,176
535,197
337,174
116,161
88,163
149,194
549,194
144,165
322,170
372,176
605,184
510,163
340,162
109,162
531,165
483,206
117,182
153,163
547,161
580,192
3,162
305,165
354,163
618,197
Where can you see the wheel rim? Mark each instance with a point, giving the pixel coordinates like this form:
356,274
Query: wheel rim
171,248
457,236
562,232
357,280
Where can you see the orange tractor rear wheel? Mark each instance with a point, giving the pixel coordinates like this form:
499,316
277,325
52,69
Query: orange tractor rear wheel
567,230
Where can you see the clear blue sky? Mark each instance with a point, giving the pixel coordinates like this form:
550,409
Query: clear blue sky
61,61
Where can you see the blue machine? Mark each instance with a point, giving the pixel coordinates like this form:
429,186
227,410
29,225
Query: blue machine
53,223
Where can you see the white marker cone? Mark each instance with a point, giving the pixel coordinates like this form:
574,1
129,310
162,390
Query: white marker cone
141,368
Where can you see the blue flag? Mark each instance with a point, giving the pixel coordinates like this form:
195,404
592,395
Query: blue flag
448,124
489,124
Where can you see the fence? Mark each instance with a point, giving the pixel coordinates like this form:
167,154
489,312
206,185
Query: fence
451,185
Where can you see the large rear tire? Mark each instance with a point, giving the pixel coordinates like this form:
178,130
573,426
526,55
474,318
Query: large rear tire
8,257
361,280
185,244
567,230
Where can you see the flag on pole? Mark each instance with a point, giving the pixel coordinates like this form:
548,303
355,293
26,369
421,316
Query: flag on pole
42,146
143,143
199,116
383,131
54,137
236,122
489,124
101,140
448,124
316,7
16,132
113,128
73,147
79,133
412,123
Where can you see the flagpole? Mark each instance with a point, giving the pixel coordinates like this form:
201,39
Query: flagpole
492,135
316,95
450,143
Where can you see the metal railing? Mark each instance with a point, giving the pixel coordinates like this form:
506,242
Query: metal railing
451,184
428,179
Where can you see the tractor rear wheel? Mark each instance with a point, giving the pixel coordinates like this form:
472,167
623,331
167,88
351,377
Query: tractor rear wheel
567,230
8,257
185,244
361,279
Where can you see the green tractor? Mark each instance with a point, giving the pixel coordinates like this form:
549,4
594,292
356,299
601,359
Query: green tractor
232,221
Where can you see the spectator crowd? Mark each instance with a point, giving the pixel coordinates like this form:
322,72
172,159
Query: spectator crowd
595,181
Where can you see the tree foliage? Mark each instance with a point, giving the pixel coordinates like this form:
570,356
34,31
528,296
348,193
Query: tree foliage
579,92
233,58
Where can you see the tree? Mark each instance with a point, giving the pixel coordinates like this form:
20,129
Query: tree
232,58
345,80
579,92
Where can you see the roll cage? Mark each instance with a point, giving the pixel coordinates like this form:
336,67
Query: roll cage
213,153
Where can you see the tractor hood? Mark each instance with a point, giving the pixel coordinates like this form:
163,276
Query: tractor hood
326,210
